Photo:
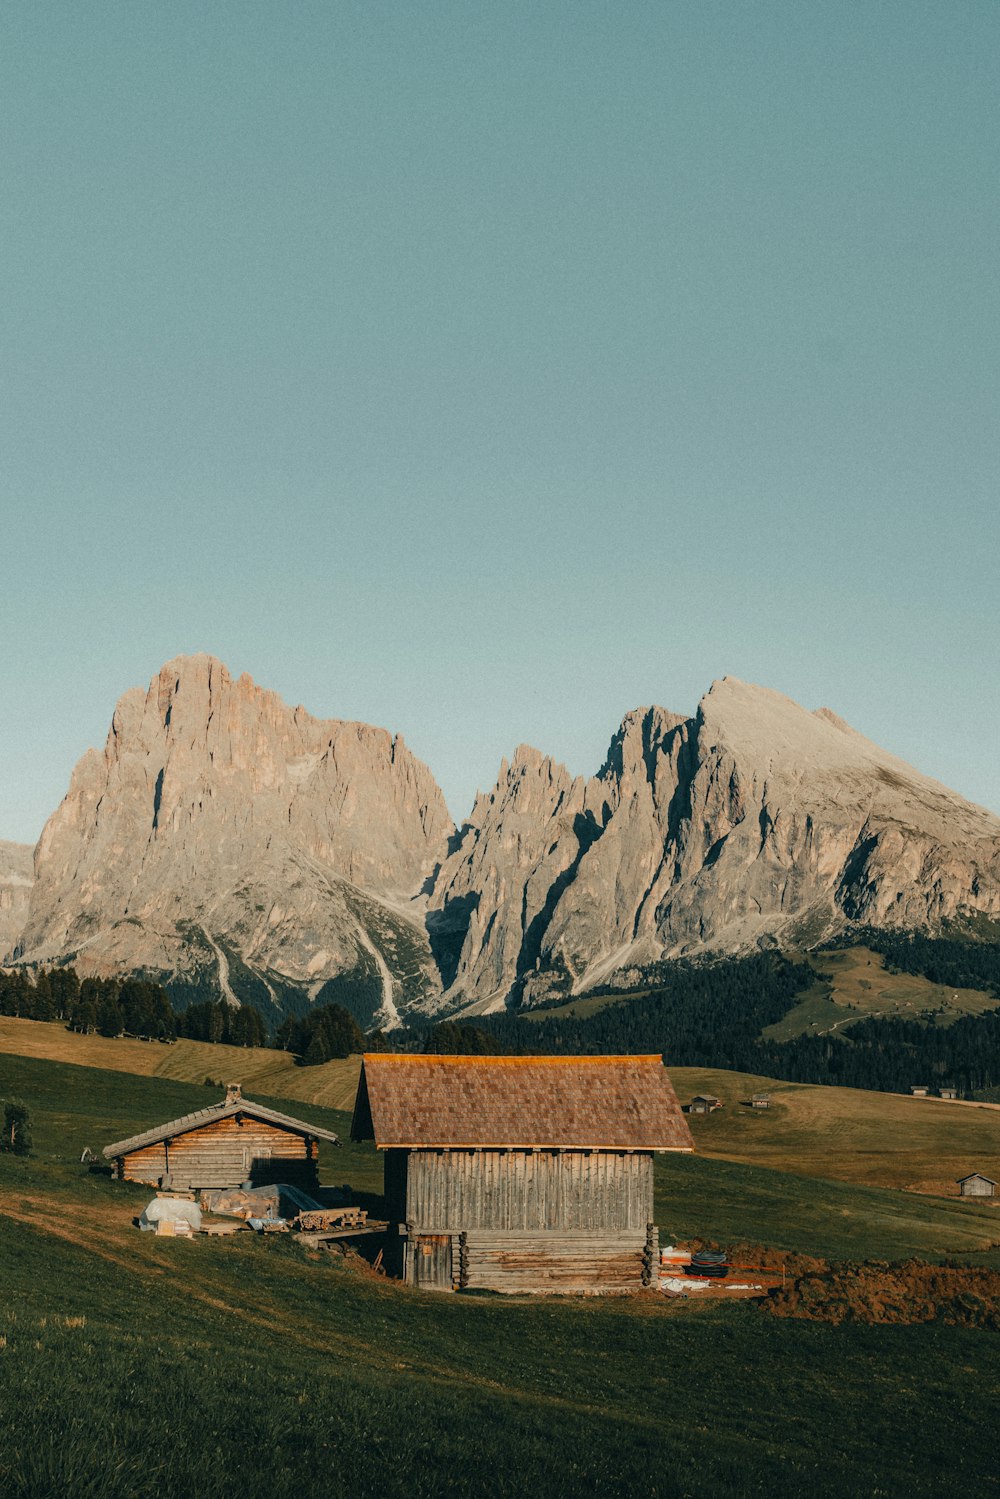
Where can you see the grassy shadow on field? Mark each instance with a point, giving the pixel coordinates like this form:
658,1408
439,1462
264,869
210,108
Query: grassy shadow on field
246,1367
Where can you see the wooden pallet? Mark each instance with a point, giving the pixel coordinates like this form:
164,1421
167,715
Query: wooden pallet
335,1235
324,1219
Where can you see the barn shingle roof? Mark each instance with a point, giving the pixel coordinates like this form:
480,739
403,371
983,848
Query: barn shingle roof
210,1115
590,1103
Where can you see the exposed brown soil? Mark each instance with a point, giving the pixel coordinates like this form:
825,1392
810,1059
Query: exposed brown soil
879,1293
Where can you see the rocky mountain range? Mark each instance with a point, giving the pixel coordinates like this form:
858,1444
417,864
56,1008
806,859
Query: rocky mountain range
229,845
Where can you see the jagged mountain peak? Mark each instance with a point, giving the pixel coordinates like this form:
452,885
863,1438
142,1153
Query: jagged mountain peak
638,740
222,830
229,843
754,820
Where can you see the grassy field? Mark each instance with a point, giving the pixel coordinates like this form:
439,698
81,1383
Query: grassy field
136,1366
853,984
258,1069
876,1139
879,1139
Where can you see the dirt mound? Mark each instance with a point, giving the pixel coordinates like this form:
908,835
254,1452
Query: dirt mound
878,1293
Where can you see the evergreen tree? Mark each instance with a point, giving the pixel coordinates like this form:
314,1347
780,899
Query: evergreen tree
109,1017
448,1038
344,1037
16,1136
317,1051
85,1015
377,1040
42,1003
246,1028
65,991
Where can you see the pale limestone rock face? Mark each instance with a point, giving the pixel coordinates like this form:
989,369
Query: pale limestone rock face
225,839
16,879
826,827
755,821
493,896
227,842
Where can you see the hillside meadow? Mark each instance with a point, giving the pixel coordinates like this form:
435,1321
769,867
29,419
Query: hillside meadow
259,1069
137,1366
854,984
879,1139
847,1134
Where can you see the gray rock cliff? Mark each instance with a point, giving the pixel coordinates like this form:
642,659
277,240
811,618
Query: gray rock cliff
227,842
755,821
16,879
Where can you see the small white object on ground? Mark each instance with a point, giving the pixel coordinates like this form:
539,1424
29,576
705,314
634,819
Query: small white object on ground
170,1210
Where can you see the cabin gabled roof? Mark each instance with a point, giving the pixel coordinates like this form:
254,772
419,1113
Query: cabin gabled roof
212,1115
976,1176
583,1103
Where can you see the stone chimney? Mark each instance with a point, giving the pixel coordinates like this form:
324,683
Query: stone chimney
233,1093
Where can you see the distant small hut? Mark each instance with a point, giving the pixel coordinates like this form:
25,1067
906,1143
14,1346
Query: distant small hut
231,1142
976,1185
920,1090
760,1101
948,1092
520,1173
703,1103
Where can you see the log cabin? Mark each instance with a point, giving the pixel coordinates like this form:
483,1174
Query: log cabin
231,1142
976,1185
520,1174
703,1103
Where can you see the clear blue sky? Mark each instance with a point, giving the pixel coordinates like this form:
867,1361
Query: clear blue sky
485,371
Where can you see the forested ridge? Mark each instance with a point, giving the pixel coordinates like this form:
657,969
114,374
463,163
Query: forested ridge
712,1015
699,1013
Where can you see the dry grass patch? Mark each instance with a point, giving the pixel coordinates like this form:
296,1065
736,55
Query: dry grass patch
847,1134
258,1069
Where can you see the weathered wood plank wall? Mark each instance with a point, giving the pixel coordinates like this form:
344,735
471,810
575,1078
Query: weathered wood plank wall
451,1191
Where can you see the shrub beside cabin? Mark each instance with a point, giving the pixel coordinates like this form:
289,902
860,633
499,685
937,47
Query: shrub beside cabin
520,1173
232,1142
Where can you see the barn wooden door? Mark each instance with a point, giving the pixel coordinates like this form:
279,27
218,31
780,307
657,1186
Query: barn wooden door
430,1261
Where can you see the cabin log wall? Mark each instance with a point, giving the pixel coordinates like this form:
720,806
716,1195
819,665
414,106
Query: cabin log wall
146,1165
225,1152
553,1262
978,1188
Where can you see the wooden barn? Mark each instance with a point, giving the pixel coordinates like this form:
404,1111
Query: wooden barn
977,1185
704,1103
520,1173
232,1142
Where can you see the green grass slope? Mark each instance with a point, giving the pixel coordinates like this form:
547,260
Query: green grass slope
853,984
696,1196
138,1366
880,1139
